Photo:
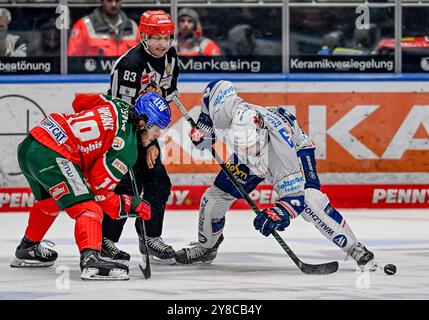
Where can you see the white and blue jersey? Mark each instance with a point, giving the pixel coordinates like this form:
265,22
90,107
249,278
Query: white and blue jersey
279,161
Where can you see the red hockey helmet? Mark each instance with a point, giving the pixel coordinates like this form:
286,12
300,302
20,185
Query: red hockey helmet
156,22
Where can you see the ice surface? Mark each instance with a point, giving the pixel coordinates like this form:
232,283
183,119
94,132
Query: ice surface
248,265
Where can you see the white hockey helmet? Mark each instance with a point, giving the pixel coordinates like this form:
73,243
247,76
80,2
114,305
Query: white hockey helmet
215,94
247,134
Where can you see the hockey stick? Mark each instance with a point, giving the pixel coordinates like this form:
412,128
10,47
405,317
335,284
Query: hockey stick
325,268
146,271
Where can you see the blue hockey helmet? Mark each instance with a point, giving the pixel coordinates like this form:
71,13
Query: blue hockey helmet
154,109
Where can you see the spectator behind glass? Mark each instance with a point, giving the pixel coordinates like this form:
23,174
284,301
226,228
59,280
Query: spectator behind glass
331,41
50,40
107,31
191,39
364,42
366,39
243,42
10,45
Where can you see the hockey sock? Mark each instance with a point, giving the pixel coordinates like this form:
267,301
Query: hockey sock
42,215
88,230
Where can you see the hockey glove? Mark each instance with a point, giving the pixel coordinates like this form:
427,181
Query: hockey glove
136,207
203,135
278,217
271,219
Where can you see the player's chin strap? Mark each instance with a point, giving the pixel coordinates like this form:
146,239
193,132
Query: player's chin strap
325,268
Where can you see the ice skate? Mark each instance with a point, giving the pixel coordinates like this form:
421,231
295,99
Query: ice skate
30,254
159,251
93,267
197,254
110,251
363,257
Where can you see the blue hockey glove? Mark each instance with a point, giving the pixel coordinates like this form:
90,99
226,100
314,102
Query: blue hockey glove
271,219
278,217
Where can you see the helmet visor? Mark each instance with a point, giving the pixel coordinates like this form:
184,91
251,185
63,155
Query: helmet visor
246,143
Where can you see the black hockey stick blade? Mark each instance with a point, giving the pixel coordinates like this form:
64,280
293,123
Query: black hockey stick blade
146,270
319,269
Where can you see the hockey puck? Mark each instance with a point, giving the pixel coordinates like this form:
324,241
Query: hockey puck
390,269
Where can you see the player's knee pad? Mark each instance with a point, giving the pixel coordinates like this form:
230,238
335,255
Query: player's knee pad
213,207
316,198
320,200
88,209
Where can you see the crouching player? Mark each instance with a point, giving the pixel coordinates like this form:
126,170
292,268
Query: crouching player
73,162
269,144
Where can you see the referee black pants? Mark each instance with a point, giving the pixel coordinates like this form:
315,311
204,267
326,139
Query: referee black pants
156,186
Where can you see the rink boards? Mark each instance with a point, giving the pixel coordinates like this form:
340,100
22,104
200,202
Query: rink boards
372,134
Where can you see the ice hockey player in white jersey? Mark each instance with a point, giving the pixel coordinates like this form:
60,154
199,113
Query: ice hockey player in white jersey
269,145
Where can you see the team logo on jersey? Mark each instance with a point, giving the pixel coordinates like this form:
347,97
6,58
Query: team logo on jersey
118,164
118,143
59,190
340,240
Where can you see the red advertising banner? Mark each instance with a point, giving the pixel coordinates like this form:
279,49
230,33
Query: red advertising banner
342,196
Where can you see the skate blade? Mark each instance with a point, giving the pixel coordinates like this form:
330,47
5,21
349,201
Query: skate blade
20,263
196,263
91,274
158,261
126,262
